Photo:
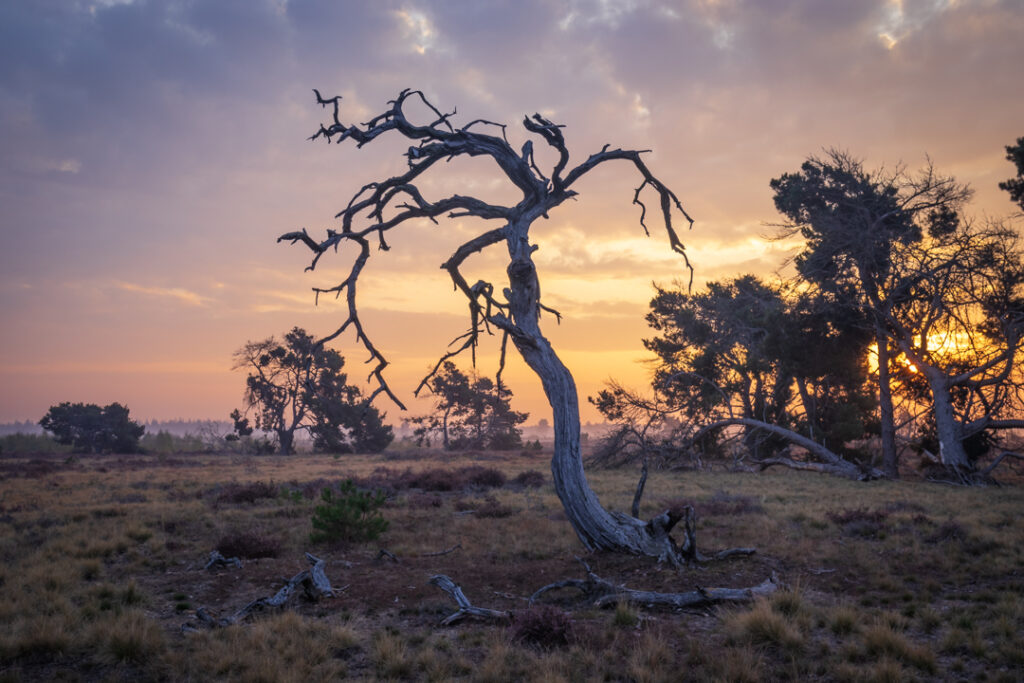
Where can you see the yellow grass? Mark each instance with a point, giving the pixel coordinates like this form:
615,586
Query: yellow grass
103,556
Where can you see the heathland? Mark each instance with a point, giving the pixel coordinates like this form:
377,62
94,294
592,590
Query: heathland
103,574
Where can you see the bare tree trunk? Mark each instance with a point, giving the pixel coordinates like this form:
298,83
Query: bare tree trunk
890,456
810,408
951,447
596,527
286,441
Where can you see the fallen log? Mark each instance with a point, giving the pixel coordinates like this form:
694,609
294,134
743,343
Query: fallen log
603,594
313,581
466,609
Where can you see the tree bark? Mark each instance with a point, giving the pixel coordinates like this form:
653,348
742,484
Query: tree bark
596,527
951,447
286,441
890,456
604,593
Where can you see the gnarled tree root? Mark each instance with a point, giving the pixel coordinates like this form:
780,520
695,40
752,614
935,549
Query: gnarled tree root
602,593
313,581
678,555
466,610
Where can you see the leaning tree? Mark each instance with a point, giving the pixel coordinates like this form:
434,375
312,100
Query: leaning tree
515,310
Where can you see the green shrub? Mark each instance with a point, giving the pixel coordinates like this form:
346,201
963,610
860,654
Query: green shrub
351,515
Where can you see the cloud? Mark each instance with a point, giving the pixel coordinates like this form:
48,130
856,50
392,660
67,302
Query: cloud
166,141
177,293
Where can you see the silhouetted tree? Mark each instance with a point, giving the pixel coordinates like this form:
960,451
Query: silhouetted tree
958,316
785,365
855,222
88,428
299,384
1015,186
470,412
946,292
720,353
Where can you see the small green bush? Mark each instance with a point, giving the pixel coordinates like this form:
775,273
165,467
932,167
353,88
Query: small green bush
350,516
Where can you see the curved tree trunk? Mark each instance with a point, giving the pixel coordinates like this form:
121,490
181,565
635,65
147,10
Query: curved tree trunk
833,463
596,527
890,456
947,427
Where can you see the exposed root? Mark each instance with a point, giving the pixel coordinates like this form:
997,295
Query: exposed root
679,555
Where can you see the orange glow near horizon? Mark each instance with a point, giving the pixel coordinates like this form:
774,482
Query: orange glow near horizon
140,242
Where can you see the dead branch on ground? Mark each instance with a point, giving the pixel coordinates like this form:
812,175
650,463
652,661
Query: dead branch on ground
603,594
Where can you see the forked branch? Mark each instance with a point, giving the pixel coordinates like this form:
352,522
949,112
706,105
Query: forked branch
381,206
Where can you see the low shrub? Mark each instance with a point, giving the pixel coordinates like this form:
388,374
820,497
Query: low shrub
482,477
860,522
251,544
490,508
350,516
545,626
246,493
723,503
529,479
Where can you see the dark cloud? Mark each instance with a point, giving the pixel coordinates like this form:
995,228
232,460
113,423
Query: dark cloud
163,142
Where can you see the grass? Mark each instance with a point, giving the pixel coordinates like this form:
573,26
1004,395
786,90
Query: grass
102,563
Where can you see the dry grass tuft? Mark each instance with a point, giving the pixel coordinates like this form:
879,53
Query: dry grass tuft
882,640
103,556
132,638
762,626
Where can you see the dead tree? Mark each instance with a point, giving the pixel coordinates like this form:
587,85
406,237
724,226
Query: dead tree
515,310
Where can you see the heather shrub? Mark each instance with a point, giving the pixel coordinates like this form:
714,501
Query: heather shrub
251,544
483,477
545,626
529,479
246,493
860,522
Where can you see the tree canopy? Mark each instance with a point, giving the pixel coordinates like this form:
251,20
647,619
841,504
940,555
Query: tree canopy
299,384
1015,185
88,428
470,412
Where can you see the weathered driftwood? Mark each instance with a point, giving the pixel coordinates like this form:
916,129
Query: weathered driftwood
313,581
218,560
466,610
602,593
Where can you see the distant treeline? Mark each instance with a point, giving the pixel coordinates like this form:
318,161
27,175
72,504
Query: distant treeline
177,427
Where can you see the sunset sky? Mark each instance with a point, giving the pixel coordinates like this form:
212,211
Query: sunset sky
152,152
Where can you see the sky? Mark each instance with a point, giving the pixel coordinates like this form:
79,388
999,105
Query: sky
152,152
